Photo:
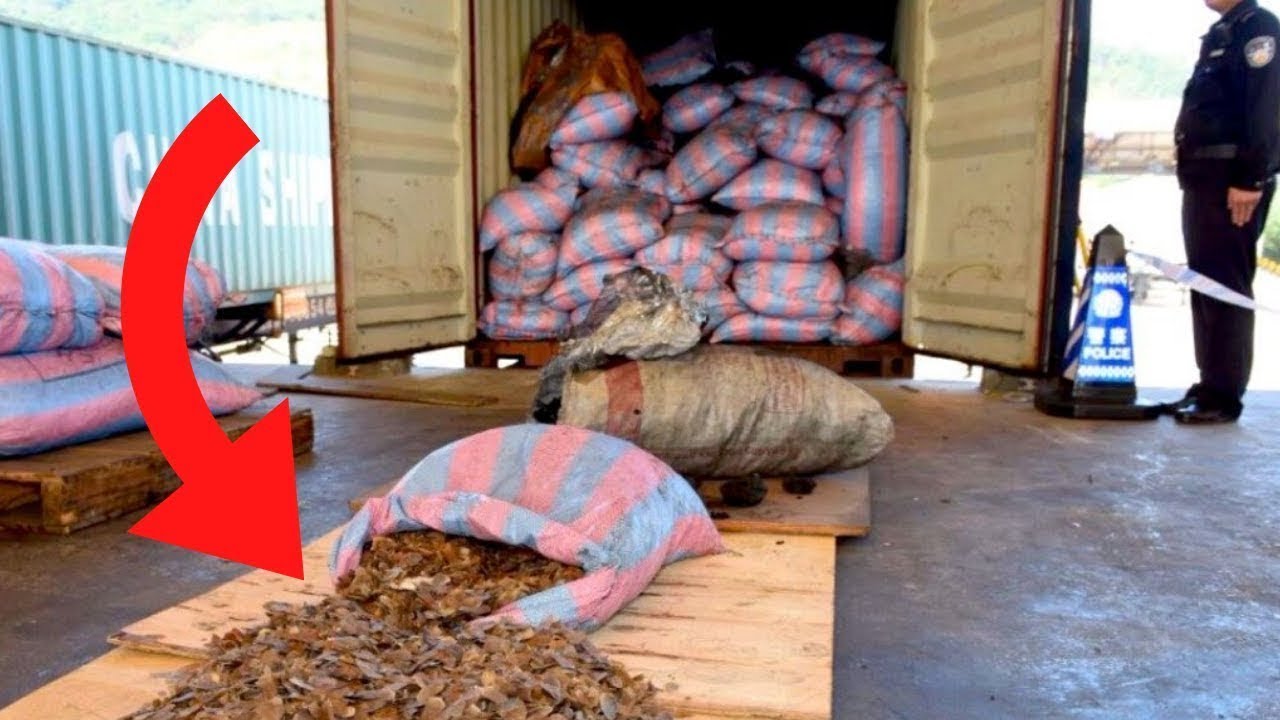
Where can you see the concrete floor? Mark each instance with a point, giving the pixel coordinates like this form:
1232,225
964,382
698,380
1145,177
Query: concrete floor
1019,567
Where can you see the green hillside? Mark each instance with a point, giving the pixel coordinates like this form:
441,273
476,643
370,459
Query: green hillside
1117,73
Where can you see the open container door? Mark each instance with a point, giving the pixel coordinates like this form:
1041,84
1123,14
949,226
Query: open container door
400,109
997,105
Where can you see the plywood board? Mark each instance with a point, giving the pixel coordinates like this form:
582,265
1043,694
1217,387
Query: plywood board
110,687
472,387
747,633
839,506
78,486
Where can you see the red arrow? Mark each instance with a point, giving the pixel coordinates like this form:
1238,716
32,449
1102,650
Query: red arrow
237,501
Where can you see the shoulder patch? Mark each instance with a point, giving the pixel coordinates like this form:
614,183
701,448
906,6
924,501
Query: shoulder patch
1260,51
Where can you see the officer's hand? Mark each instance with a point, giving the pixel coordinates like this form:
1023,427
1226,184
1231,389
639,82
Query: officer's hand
1242,203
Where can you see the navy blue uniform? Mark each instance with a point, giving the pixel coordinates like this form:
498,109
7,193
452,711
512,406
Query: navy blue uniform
1228,135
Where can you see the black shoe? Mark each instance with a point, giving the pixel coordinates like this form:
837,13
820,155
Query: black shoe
1197,415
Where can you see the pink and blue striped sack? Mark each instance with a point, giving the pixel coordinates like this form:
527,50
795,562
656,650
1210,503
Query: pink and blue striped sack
528,207
606,164
653,181
790,290
707,162
833,174
612,224
693,239
874,162
596,117
836,45
103,265
854,74
525,319
783,231
523,266
579,314
575,496
872,307
44,303
762,328
775,91
682,62
838,104
743,118
57,398
583,284
554,178
695,107
800,137
770,181
720,304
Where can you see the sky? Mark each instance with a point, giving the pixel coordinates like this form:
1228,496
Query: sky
1168,27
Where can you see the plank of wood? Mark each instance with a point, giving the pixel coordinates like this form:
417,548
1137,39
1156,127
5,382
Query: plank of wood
86,484
839,506
747,633
471,387
107,688
13,495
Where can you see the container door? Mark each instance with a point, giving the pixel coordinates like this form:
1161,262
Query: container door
996,105
401,124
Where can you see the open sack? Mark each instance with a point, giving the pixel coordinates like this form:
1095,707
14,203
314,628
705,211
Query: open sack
575,496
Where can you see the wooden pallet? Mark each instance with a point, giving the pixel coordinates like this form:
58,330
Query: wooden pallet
744,635
74,487
885,360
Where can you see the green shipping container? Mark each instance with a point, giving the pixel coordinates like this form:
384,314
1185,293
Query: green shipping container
83,125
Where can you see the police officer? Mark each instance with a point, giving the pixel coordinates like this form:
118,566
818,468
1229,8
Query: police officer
1228,149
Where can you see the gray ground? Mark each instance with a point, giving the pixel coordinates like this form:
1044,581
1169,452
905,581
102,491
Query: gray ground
1019,567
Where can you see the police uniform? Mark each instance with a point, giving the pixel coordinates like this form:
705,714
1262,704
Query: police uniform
1227,135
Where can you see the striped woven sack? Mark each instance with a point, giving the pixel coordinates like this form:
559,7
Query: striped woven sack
833,174
775,91
523,266
575,496
554,178
583,284
783,231
707,162
874,161
103,265
695,107
691,239
682,62
750,327
790,290
743,118
838,104
653,181
770,181
64,397
872,307
528,207
720,304
611,224
521,320
605,164
44,303
596,117
801,137
579,314
854,74
813,55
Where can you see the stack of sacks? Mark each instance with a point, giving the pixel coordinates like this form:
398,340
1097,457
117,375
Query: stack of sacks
762,185
62,380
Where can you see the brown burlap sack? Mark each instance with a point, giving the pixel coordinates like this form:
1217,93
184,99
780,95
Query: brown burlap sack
565,65
722,411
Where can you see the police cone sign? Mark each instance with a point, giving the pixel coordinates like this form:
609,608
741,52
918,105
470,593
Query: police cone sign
1106,347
